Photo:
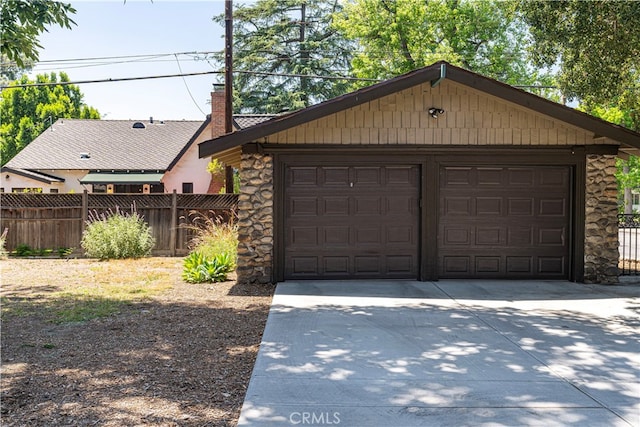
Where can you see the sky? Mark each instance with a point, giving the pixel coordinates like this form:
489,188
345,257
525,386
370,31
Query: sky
139,27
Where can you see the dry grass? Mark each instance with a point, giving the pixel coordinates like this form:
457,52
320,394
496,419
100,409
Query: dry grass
124,342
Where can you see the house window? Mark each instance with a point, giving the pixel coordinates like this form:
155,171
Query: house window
99,188
27,190
187,187
53,191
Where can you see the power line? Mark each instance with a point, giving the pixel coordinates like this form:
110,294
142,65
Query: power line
102,58
120,79
165,76
187,86
202,73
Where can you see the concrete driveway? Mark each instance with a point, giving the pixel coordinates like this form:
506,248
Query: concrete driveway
448,353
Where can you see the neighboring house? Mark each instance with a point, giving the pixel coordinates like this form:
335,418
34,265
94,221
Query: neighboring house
438,173
118,156
112,156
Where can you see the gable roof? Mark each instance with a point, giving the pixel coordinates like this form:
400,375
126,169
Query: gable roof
434,73
108,145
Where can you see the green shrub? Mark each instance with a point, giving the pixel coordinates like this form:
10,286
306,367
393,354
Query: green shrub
24,250
117,235
199,269
213,236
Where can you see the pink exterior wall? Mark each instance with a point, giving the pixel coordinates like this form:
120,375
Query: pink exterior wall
190,168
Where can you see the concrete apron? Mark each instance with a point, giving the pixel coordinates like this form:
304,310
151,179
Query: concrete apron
448,353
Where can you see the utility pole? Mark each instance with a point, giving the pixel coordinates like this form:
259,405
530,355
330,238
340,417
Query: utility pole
304,54
228,83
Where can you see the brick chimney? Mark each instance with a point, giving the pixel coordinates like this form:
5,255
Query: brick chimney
217,129
217,110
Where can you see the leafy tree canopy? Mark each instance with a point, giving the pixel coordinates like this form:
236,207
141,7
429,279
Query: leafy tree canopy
287,37
397,36
22,21
26,112
596,45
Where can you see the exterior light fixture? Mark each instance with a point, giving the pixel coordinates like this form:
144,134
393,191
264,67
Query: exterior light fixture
435,112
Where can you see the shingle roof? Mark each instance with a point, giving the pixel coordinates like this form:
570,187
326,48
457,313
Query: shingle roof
110,144
245,120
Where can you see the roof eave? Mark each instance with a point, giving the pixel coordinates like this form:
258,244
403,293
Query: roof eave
193,138
542,105
493,87
36,176
287,121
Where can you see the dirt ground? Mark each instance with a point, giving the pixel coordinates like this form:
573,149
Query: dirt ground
180,357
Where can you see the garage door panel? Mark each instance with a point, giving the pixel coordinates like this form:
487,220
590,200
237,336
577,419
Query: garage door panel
551,265
336,205
367,206
520,177
304,236
336,176
554,177
551,236
367,177
367,236
488,264
490,236
489,206
519,228
351,222
519,236
490,176
367,265
400,264
520,206
302,176
336,265
456,236
456,265
304,206
519,264
457,176
305,265
457,205
401,234
400,176
336,236
553,207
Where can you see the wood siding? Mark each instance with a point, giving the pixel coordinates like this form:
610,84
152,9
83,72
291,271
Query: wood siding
471,118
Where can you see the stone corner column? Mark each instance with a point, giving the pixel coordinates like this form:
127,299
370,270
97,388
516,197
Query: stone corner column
255,220
601,221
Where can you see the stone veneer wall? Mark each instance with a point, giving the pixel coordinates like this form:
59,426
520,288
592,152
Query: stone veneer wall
601,229
255,219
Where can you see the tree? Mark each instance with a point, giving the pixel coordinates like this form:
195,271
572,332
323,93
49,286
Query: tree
286,37
9,70
397,36
22,21
26,112
595,45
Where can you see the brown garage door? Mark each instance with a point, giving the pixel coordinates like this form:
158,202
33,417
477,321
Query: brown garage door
351,222
504,222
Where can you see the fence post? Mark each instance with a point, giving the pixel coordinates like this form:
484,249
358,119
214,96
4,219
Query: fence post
85,210
173,236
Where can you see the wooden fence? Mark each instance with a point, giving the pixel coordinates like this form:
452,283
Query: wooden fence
52,221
